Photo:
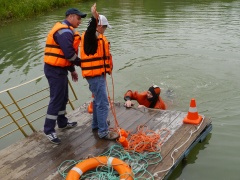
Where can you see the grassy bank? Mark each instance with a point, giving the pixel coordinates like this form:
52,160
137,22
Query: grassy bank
20,9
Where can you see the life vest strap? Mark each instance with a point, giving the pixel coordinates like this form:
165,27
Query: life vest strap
95,67
55,55
53,46
95,59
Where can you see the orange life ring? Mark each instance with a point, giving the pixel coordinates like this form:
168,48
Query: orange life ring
125,172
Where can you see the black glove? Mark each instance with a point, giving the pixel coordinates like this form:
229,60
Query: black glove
77,62
127,98
71,68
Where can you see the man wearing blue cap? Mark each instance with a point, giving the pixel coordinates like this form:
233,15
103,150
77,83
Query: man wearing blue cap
61,54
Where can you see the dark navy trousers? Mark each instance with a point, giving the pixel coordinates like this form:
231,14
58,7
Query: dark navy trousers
58,83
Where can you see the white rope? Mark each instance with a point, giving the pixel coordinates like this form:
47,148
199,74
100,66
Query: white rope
176,150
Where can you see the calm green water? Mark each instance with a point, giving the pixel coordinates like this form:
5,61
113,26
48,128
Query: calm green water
190,48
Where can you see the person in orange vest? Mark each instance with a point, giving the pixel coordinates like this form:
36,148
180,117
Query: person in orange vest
96,63
149,99
61,54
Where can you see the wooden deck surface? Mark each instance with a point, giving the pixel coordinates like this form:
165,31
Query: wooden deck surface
36,158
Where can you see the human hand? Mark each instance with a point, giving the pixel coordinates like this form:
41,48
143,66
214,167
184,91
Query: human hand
141,106
129,103
94,11
74,76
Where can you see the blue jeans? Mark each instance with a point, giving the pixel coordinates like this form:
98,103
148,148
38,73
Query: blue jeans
97,86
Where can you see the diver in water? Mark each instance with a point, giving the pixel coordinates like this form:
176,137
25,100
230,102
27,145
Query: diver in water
150,98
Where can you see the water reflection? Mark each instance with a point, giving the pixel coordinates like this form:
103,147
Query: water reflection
190,159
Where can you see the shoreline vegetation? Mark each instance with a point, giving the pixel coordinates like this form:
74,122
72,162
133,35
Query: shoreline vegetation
17,10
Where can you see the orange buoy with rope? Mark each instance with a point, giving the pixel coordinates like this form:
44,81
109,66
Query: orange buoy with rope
123,133
125,172
123,141
144,140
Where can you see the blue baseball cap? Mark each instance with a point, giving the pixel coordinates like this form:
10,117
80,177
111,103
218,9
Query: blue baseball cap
75,11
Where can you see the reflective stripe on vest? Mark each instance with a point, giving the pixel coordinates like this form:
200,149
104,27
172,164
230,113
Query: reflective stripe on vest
53,53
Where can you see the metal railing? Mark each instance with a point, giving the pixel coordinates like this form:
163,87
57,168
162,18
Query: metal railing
22,106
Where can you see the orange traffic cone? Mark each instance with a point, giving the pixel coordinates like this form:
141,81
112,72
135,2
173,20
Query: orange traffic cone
90,106
192,117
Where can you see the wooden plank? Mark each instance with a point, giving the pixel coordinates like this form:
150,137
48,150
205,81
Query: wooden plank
21,146
81,147
32,153
63,151
94,148
36,158
171,147
135,121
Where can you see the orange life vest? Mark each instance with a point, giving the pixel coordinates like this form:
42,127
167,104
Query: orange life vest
141,98
53,53
99,63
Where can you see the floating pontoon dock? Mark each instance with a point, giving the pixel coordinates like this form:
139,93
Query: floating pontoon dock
35,157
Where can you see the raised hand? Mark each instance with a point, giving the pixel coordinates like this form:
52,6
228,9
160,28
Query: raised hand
94,11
